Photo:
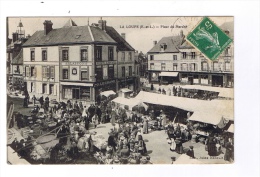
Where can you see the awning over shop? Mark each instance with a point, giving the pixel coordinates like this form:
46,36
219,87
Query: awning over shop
223,92
77,84
169,74
222,108
185,159
231,128
108,93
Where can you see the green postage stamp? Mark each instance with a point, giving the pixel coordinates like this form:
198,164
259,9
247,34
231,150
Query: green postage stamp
209,39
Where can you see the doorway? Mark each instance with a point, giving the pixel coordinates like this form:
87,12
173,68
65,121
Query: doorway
75,93
217,81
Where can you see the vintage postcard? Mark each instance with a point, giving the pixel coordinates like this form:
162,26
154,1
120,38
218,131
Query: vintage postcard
120,90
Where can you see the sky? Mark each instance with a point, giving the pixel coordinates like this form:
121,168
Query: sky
141,39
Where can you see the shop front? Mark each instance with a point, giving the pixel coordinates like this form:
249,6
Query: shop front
128,82
103,86
77,91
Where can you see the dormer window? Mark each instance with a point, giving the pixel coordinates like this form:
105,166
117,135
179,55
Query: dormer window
163,47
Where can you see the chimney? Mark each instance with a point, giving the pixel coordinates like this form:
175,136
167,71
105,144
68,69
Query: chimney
15,37
123,35
47,26
102,24
154,43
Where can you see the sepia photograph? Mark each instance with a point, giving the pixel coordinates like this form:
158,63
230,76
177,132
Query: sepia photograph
120,90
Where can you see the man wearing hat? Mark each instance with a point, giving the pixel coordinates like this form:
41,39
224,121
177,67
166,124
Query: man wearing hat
190,152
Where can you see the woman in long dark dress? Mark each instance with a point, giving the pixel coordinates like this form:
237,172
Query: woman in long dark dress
229,150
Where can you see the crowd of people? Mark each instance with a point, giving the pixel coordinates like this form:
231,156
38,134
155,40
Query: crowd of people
125,144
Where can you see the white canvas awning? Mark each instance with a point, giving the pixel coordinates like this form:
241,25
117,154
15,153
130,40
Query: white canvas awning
169,74
206,117
129,102
108,93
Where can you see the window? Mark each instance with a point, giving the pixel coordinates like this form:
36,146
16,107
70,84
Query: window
227,51
84,75
184,67
110,54
204,66
27,71
99,73
104,71
65,74
111,71
123,56
67,93
32,87
65,55
130,56
151,57
45,72
33,72
44,55
193,56
175,67
44,88
52,73
227,66
51,90
123,71
192,67
215,66
84,54
151,65
163,67
98,53
184,55
174,57
32,55
130,71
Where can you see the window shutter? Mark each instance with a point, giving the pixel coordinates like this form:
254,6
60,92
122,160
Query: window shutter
24,71
60,53
35,71
48,72
29,72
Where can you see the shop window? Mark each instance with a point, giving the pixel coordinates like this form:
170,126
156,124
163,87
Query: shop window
44,88
84,54
44,55
98,53
110,53
65,74
84,75
67,93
